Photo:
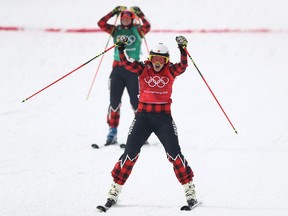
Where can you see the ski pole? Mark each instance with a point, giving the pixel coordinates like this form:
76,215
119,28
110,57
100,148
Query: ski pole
142,34
102,53
146,44
210,90
96,73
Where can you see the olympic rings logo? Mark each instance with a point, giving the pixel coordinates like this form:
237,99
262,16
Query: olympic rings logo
158,81
131,39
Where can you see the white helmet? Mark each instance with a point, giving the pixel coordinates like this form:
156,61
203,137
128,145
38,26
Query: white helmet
160,49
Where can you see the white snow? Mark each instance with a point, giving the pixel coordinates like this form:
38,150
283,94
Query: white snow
47,166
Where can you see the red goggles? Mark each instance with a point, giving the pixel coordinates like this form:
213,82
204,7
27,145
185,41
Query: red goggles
157,58
127,15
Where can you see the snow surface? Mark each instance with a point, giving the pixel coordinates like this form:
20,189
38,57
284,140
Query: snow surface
47,166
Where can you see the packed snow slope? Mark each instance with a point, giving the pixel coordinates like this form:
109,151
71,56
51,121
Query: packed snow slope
47,166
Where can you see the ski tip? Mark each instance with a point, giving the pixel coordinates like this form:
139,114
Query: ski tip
185,208
122,145
101,208
95,146
189,208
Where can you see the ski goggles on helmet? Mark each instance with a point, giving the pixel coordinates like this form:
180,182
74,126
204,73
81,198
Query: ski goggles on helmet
158,58
127,15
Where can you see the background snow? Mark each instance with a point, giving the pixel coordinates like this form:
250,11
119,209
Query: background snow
47,166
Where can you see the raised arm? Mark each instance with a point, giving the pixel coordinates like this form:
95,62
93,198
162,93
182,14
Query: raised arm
102,23
179,68
130,64
145,27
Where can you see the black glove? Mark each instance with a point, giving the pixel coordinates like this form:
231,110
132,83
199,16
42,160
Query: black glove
137,11
117,10
121,42
181,41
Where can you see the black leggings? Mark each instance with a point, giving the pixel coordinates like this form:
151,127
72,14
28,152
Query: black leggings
119,79
144,124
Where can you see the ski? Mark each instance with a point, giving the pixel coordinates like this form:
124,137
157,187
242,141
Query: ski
107,206
110,203
96,146
102,208
189,208
122,145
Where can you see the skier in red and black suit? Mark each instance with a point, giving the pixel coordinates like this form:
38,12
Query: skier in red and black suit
156,77
121,77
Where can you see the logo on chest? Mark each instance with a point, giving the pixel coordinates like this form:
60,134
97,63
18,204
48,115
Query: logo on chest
131,39
158,81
